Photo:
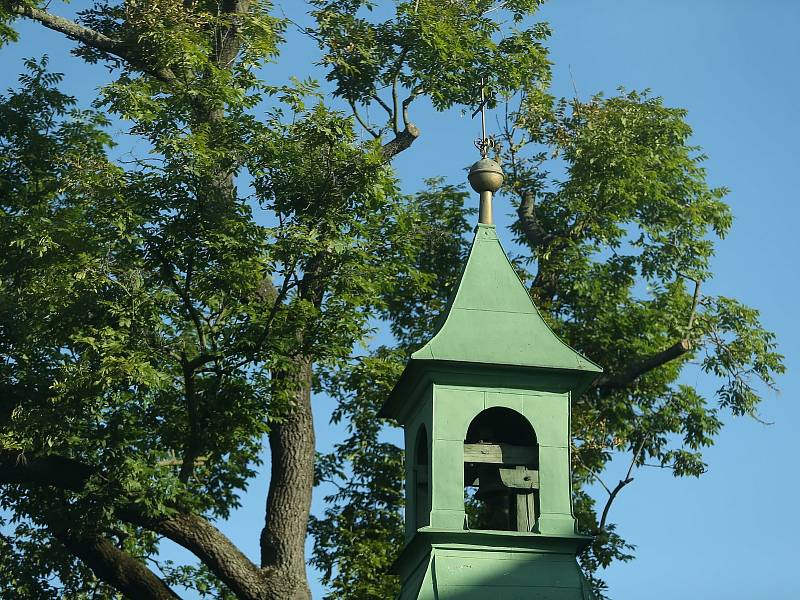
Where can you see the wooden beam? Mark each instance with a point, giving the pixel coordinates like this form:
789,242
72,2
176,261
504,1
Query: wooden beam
505,454
519,478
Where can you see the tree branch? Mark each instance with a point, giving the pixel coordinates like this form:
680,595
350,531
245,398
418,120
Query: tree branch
695,302
641,366
117,568
193,532
615,381
621,484
405,138
57,471
394,114
93,39
535,235
361,121
71,29
192,444
383,105
212,547
228,38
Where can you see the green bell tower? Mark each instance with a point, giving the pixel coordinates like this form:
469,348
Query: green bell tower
485,405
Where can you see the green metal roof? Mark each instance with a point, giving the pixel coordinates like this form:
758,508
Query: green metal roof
492,319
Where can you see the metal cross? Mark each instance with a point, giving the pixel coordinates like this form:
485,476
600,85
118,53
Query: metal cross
483,143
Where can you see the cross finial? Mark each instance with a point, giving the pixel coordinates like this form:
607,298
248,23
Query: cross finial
483,143
485,176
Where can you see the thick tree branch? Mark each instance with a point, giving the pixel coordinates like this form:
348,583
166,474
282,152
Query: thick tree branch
641,366
403,139
191,531
115,567
57,471
71,29
212,547
624,378
535,235
94,39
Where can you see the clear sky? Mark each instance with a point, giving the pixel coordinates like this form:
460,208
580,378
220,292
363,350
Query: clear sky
734,65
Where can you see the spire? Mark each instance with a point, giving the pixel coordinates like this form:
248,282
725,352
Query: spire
492,319
491,322
485,176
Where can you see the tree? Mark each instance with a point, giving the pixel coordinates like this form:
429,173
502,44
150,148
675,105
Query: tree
162,316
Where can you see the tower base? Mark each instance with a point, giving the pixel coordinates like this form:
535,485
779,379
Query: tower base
491,565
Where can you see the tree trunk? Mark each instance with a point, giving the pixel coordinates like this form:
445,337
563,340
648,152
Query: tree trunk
283,538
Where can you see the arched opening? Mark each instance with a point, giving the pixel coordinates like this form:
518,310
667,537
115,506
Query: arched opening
422,502
501,477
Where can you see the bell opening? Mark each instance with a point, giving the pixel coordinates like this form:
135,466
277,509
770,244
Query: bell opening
422,513
501,477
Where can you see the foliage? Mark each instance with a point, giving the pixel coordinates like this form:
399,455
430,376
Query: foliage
157,308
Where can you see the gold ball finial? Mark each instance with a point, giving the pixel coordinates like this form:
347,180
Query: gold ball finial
485,176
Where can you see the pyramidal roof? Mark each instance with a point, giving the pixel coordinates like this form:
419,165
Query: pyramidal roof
492,321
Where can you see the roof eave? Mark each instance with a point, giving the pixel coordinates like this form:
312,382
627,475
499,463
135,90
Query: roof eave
418,370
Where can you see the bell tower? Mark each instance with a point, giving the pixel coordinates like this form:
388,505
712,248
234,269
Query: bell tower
485,405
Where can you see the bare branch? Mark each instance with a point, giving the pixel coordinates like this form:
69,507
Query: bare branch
362,122
398,66
383,105
621,484
396,104
695,301
69,28
406,103
576,453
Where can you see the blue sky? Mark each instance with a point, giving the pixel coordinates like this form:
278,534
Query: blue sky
734,65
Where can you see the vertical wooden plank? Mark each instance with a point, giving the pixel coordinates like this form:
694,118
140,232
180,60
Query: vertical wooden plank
530,509
522,509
